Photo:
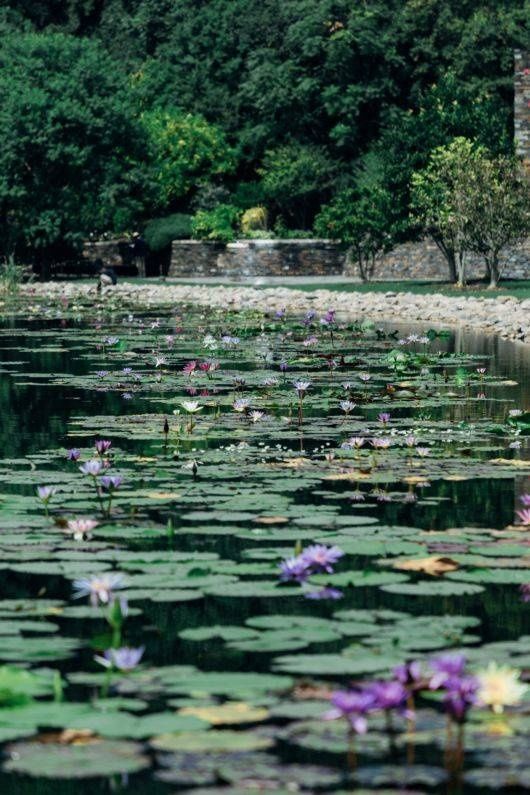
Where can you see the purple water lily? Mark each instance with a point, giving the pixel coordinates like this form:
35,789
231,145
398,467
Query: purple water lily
320,558
353,706
324,593
103,446
409,674
92,467
391,694
45,493
73,454
111,482
124,659
445,667
294,569
460,694
524,590
100,589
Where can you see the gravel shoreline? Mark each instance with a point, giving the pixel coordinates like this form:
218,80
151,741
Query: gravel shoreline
505,316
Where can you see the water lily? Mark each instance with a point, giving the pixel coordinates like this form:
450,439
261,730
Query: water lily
256,416
301,388
294,569
191,406
525,591
73,454
45,493
100,589
320,558
525,500
125,659
380,443
384,417
347,406
321,594
524,516
352,706
241,405
189,368
103,446
500,686
81,528
111,482
92,467
445,667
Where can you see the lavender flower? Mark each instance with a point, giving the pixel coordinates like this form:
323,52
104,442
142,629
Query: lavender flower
324,593
45,493
103,446
524,516
460,694
321,559
92,467
100,589
73,454
294,569
409,674
388,695
380,443
353,706
241,405
302,387
445,667
384,417
111,482
525,592
124,659
525,499
328,318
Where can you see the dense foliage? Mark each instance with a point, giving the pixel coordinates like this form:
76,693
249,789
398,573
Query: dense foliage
70,151
284,102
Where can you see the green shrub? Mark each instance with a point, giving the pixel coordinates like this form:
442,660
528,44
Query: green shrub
161,231
254,219
219,224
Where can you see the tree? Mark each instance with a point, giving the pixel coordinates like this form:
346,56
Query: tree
185,149
362,219
499,211
440,200
71,150
295,178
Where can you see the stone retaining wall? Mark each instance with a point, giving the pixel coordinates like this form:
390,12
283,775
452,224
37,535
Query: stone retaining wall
248,258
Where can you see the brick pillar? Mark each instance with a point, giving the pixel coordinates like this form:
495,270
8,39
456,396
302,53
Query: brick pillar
522,107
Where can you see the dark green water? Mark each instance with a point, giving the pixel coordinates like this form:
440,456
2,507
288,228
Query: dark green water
37,415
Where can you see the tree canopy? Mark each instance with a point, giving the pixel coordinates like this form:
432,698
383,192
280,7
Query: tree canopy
71,152
333,83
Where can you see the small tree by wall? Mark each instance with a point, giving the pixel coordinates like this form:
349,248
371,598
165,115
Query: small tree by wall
440,200
361,219
499,212
468,200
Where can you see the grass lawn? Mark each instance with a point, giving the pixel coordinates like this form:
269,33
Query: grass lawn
517,288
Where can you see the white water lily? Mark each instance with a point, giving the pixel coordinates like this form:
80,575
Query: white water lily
191,406
499,687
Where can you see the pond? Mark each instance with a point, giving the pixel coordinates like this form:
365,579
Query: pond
246,514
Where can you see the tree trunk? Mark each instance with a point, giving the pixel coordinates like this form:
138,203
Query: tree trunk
494,271
449,255
460,263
